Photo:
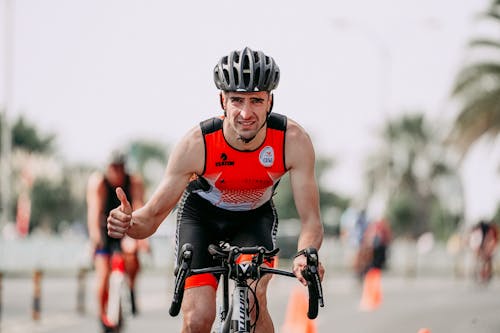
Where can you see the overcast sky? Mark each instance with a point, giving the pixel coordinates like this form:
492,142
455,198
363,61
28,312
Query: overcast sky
100,73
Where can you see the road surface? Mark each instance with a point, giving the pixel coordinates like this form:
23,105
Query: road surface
441,303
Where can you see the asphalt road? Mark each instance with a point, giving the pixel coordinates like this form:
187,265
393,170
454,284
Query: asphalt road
442,304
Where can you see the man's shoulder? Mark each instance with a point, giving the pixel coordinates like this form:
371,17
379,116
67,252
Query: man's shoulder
96,177
96,182
294,131
136,179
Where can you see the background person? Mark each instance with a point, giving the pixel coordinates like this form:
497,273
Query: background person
101,199
223,175
375,245
484,241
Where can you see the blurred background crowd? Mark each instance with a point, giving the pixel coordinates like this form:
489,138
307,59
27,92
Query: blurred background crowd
412,186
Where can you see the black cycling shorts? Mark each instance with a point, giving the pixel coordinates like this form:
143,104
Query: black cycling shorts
110,245
200,223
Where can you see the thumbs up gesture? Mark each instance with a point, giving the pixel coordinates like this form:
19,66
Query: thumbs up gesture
119,218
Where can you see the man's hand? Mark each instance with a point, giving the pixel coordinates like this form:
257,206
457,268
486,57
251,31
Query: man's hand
300,263
96,242
119,218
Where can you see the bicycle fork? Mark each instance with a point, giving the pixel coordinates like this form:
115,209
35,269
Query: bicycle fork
116,280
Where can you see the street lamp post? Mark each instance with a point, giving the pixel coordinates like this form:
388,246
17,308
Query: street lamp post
5,153
383,54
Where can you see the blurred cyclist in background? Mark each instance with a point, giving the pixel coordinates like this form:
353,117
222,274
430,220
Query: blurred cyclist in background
483,240
223,175
374,246
101,199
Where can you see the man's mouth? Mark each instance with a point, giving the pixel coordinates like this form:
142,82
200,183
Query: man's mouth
246,124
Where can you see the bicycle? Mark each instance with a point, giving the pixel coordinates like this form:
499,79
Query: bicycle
234,315
482,270
118,295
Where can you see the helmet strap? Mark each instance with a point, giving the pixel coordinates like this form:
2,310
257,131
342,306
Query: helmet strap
272,104
221,100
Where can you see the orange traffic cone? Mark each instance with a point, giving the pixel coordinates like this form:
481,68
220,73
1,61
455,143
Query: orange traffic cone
424,330
296,320
371,297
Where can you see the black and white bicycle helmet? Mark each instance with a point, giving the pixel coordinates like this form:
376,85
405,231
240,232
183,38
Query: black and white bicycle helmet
246,71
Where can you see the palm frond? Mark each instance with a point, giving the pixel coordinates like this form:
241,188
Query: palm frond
479,117
474,74
484,42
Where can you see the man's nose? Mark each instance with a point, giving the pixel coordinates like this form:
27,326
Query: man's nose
245,110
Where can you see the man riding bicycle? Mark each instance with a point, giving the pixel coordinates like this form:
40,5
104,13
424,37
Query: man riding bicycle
484,240
222,175
101,199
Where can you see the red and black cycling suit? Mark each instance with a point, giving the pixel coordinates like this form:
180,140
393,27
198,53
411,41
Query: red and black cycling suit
110,244
231,200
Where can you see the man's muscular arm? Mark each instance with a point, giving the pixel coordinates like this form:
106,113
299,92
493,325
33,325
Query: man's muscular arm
300,162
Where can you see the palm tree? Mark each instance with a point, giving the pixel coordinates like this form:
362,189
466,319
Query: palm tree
477,90
409,171
148,158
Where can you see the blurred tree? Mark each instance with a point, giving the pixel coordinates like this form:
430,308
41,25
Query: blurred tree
148,158
53,204
477,88
55,189
496,217
410,171
25,136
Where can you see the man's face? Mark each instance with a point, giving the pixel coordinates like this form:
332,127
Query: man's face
116,174
246,112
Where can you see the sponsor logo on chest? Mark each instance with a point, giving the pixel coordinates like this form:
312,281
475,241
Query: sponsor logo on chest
223,161
266,156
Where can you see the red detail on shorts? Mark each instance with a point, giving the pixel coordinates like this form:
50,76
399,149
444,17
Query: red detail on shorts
199,280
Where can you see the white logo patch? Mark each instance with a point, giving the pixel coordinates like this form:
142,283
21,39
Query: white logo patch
266,156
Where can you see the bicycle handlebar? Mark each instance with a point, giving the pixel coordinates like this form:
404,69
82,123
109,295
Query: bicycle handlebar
226,252
182,272
228,255
311,274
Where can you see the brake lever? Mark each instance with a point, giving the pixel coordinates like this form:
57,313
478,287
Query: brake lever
313,271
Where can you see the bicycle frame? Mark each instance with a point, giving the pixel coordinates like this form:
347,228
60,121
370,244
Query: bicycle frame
117,281
234,315
239,319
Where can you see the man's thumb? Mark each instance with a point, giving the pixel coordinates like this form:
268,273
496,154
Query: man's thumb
125,205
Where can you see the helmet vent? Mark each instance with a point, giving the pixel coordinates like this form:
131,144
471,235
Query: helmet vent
226,74
257,75
268,76
236,77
